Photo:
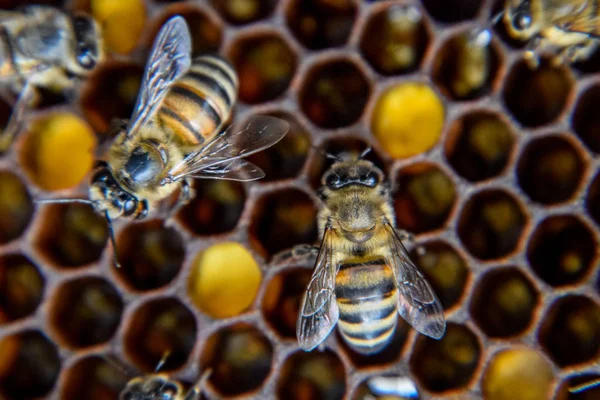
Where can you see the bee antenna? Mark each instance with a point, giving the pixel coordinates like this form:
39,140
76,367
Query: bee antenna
364,153
332,156
124,370
63,201
496,18
202,381
162,361
111,234
585,386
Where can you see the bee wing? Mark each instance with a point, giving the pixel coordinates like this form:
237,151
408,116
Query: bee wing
318,311
579,20
232,170
417,302
169,59
259,133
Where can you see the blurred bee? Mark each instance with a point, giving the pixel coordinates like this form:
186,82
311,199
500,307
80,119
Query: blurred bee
44,47
159,386
173,134
570,27
363,275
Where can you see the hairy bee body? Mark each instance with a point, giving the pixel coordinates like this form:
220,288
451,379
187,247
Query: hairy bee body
200,102
363,276
570,27
46,45
159,386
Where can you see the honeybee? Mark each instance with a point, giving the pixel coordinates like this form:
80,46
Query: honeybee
363,276
175,133
44,47
159,386
571,27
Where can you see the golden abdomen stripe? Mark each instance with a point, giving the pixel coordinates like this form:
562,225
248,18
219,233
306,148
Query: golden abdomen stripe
367,300
199,103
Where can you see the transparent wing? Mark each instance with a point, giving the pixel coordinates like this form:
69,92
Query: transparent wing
318,311
417,302
259,133
232,170
170,59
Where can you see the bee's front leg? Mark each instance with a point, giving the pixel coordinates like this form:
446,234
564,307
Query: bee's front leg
186,194
532,50
26,99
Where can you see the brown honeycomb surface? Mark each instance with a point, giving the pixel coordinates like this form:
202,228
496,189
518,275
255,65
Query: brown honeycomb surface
496,170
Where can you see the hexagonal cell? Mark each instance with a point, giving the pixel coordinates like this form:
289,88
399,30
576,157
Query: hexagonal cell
585,120
503,302
562,250
150,255
467,65
334,94
239,12
517,374
319,24
72,235
491,224
93,378
86,312
282,220
315,375
215,208
205,31
29,365
58,151
224,280
388,356
453,10
424,199
340,148
479,145
448,363
537,97
21,286
395,39
445,270
387,387
240,357
414,130
580,387
286,158
282,299
570,330
265,65
16,207
550,169
158,327
592,200
111,94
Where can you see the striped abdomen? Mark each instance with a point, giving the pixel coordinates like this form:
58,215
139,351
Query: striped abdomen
200,103
367,298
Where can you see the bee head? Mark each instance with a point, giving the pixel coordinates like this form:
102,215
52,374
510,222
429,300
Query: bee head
154,387
352,171
88,50
108,196
519,19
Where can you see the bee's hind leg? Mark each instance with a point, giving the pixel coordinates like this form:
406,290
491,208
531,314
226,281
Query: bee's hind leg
15,123
186,194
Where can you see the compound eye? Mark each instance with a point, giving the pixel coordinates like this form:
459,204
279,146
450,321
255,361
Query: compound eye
371,179
85,58
332,180
521,20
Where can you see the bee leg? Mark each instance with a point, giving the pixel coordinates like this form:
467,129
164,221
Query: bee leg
581,51
16,120
532,53
185,196
303,254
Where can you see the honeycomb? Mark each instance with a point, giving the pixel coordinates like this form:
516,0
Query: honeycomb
498,177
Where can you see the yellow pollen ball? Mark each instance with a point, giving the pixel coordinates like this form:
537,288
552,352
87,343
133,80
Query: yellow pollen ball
59,151
408,119
224,280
